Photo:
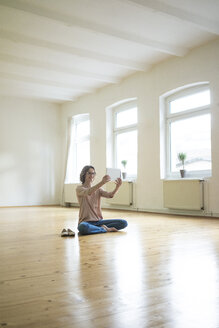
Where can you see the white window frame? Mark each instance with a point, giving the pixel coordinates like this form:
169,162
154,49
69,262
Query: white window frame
74,142
77,120
180,116
128,128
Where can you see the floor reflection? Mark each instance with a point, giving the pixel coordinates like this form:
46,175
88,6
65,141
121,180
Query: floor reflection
194,289
147,278
128,266
130,278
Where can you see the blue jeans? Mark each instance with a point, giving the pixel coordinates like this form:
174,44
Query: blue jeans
91,227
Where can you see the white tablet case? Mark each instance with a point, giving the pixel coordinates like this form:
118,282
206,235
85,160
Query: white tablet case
113,173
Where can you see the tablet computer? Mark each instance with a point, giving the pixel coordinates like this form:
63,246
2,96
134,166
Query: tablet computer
113,173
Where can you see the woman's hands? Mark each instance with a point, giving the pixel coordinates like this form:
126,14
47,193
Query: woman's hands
118,182
106,179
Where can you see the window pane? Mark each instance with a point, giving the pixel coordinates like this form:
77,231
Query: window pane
188,102
82,129
82,157
79,150
193,137
126,117
69,178
126,149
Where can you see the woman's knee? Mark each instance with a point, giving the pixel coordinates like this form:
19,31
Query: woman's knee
121,224
83,228
124,224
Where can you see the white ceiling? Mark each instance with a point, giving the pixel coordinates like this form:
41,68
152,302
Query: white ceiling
59,50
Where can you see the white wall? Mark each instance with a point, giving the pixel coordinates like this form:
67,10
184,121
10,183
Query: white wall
201,64
30,145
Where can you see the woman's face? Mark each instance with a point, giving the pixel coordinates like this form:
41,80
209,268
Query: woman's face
90,175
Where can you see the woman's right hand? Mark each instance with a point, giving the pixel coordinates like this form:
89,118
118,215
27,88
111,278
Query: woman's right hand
106,179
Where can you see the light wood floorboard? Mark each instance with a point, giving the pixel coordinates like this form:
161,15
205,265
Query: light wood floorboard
161,271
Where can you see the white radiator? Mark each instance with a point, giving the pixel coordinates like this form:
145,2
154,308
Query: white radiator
124,196
183,194
70,193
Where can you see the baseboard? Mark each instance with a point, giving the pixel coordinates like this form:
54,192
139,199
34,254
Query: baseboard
20,206
165,211
132,209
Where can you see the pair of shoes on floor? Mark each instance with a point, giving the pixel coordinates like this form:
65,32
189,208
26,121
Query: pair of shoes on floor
67,233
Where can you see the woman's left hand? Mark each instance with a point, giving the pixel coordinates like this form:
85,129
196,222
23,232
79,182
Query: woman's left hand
118,182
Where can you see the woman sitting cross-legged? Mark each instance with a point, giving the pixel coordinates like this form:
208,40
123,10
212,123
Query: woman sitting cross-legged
90,217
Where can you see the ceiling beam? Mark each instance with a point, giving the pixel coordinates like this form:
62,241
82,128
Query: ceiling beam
12,81
92,26
87,54
56,68
20,91
201,22
42,82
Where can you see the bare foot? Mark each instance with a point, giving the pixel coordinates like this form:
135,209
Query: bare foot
109,229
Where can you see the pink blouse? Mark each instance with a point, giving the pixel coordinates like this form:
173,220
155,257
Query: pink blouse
90,204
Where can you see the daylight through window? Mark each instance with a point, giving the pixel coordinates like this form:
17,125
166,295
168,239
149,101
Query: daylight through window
188,130
79,147
125,137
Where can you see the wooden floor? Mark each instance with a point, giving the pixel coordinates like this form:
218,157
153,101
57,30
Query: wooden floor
161,271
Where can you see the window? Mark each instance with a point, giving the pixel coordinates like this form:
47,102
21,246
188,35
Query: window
79,149
124,137
188,130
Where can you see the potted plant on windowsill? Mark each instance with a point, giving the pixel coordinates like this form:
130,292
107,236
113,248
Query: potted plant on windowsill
182,158
124,163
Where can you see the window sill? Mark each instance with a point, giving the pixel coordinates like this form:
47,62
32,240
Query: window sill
183,179
129,179
190,176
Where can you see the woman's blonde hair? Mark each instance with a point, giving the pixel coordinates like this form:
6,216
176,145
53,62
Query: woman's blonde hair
84,172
